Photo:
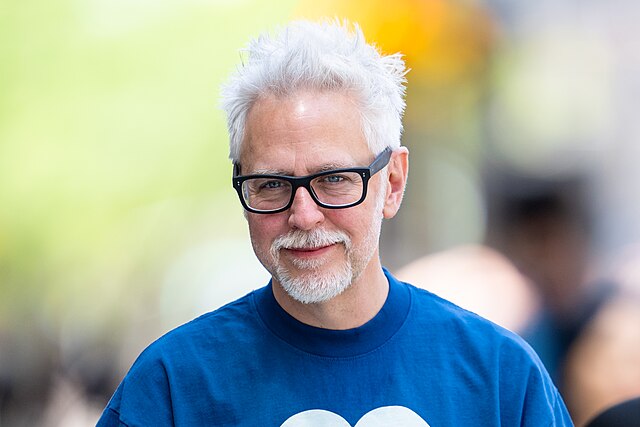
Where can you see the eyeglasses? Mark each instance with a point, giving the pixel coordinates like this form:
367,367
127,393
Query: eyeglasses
332,189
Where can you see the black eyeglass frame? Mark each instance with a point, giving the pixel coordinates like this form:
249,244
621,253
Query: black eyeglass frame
305,181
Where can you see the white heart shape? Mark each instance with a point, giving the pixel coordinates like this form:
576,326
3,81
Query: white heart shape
316,418
385,416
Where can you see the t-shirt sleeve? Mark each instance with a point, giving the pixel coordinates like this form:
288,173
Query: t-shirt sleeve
534,397
143,397
560,413
110,418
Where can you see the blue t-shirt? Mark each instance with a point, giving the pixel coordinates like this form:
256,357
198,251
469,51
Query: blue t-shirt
421,361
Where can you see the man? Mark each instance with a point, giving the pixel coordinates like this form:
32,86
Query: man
314,117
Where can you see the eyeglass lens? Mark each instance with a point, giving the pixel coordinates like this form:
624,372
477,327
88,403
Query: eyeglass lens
339,189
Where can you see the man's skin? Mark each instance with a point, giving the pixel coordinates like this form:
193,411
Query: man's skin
301,134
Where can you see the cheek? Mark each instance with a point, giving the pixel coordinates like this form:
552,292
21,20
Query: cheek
354,221
263,229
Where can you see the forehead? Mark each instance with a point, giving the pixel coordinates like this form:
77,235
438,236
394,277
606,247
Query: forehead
304,132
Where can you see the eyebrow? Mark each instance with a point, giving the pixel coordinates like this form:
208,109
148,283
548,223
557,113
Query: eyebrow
323,168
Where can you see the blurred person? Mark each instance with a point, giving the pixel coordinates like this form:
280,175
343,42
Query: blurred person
314,116
602,372
626,270
624,414
479,279
603,364
542,225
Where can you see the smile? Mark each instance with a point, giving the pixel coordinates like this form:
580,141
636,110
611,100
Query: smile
309,252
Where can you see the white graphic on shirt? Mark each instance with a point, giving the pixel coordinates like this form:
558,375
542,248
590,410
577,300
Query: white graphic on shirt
386,416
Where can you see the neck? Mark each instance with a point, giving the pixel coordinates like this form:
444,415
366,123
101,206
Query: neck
358,304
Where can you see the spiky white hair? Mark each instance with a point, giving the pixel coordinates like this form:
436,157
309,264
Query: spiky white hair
323,56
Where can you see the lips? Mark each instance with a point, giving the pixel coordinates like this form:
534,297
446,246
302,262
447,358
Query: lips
309,252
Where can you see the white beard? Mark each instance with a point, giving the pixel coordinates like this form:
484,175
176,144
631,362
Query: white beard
314,281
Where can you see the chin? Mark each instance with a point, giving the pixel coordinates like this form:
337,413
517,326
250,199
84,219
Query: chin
316,285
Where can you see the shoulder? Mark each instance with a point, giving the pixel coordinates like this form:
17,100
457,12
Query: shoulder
486,351
179,359
446,322
427,306
213,334
234,319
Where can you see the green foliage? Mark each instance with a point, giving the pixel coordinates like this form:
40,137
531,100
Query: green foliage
113,151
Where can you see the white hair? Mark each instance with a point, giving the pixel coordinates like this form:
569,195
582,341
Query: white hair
323,56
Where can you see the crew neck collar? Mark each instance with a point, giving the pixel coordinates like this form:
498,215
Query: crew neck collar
336,343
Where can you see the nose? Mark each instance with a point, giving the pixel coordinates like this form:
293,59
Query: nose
304,213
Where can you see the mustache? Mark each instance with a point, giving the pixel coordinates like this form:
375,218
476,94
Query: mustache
300,239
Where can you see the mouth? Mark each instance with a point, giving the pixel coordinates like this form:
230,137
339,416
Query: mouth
306,249
309,252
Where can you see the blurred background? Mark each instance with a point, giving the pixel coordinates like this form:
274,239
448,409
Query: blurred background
118,221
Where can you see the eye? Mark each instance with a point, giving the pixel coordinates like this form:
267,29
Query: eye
271,185
334,179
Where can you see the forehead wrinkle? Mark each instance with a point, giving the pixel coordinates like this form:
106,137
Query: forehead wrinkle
269,172
334,165
303,134
283,172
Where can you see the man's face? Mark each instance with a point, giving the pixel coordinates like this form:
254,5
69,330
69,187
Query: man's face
312,252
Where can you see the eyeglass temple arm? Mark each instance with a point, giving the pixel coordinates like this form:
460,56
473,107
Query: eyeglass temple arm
381,161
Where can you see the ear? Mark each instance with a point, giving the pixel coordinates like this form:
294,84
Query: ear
398,169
